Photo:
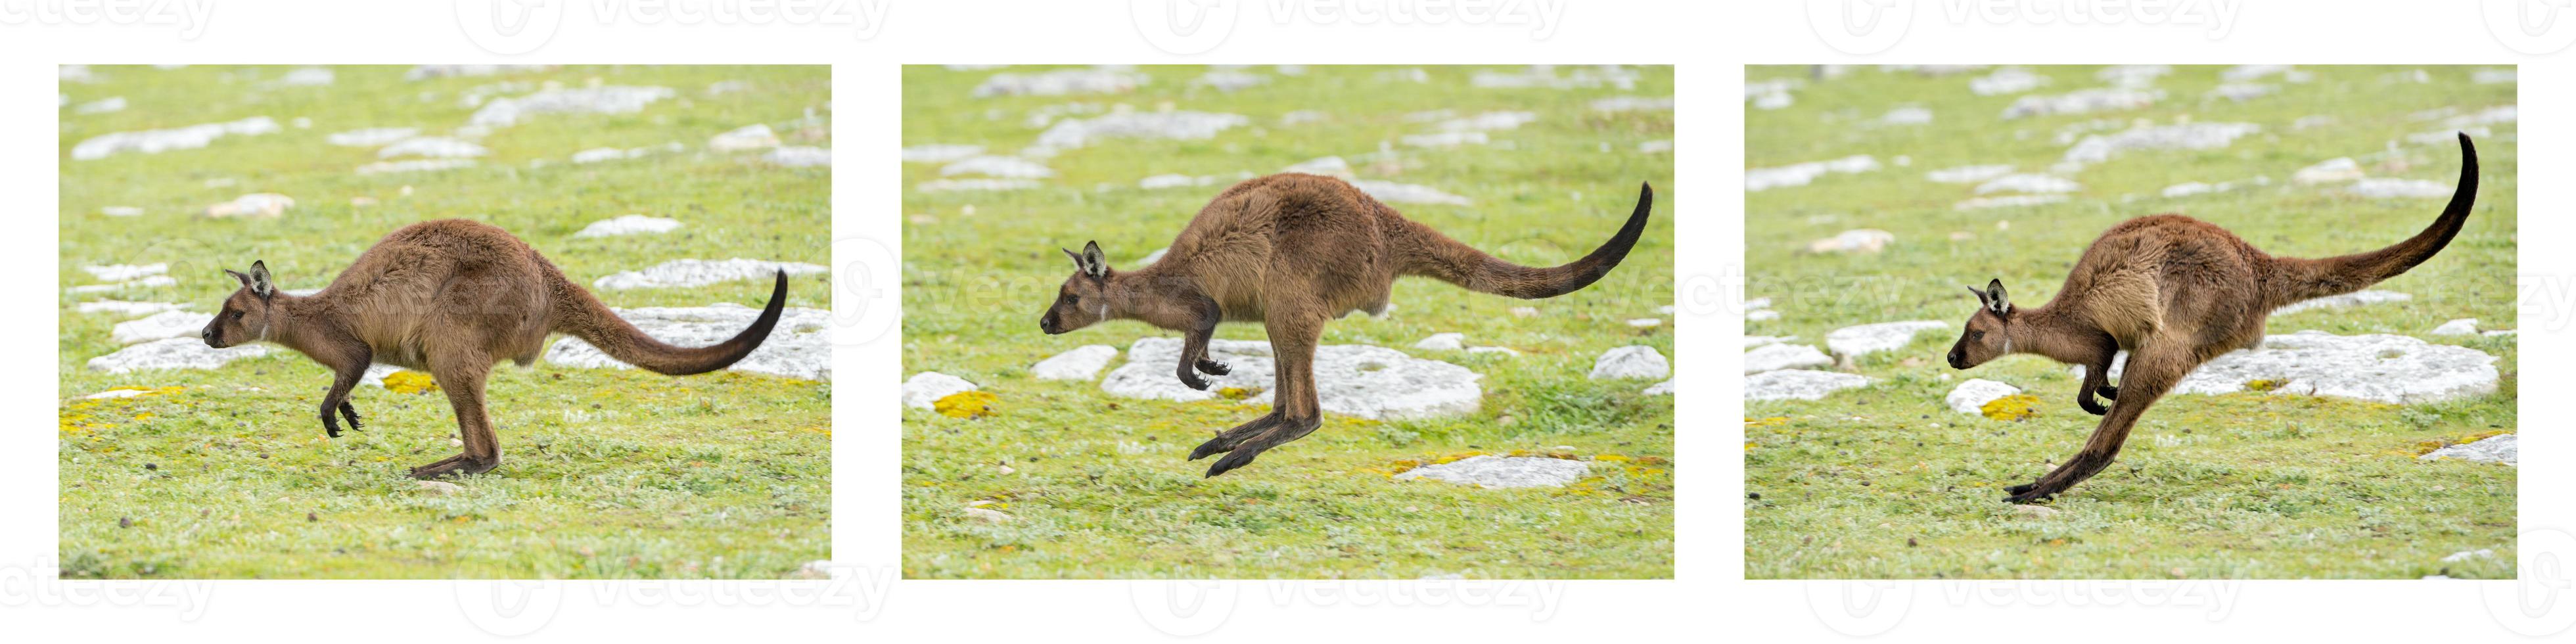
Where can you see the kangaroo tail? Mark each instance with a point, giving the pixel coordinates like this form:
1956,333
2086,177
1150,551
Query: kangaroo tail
581,315
2300,279
1438,256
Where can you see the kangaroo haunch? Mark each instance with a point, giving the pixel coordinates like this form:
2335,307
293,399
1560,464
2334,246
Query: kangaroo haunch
1291,251
451,297
2174,292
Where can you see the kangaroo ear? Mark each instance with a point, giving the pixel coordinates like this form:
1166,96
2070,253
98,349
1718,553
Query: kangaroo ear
1077,257
1093,262
238,276
258,281
1994,298
1981,295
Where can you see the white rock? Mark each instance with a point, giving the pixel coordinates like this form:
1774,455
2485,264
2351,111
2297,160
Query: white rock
1352,380
798,156
2187,136
1327,166
1502,471
121,211
606,99
1758,179
371,137
1632,361
2242,92
2132,76
121,307
1759,341
1873,338
2082,101
596,155
984,515
1633,104
1798,384
939,153
2033,183
437,488
263,204
122,272
698,272
101,106
1393,192
2386,187
158,141
1644,323
1774,357
433,147
799,347
2378,368
2028,511
749,137
997,166
1664,388
1502,350
1906,115
1968,173
375,375
173,353
2008,80
925,389
1442,342
156,280
1228,81
414,165
2335,170
2502,448
1181,125
2006,201
1971,397
2462,326
2347,300
1082,363
628,225
1865,240
166,324
424,72
1061,82
116,393
974,185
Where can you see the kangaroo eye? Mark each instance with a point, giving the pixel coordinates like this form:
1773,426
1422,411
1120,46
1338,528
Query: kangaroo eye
1976,335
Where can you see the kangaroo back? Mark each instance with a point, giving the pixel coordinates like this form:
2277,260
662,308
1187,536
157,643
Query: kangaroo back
1431,254
2300,279
579,314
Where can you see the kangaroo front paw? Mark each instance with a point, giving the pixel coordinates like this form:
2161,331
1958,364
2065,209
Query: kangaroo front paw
2090,405
330,424
351,413
2108,392
1214,368
2028,493
1193,380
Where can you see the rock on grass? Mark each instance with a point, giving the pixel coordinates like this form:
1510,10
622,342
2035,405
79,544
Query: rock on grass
799,347
1873,338
1081,363
700,272
1502,471
166,324
1352,380
2378,368
1798,384
2501,448
628,225
1633,361
1774,357
925,389
1971,397
173,353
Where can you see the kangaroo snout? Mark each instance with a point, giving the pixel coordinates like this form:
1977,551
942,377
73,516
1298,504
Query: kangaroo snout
1047,323
1958,359
208,334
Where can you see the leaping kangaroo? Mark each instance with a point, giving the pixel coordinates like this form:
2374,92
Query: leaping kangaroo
1292,251
2174,292
452,297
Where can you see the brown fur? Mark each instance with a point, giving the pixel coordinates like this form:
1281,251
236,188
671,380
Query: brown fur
451,297
2174,292
1292,251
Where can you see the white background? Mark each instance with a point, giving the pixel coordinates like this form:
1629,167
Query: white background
866,41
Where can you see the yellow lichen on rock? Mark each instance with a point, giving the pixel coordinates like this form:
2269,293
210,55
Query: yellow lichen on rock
2263,385
2015,407
410,382
966,404
1233,393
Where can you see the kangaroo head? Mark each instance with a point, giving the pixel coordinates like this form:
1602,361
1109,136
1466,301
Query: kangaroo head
248,313
1989,329
1084,298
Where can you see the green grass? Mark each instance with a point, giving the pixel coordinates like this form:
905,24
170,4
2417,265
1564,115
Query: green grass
606,474
1886,482
981,267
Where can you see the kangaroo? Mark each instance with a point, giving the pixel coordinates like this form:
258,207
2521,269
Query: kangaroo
1292,251
451,297
2174,292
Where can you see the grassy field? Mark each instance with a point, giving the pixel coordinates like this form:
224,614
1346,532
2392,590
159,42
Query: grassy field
1098,485
1886,482
607,473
